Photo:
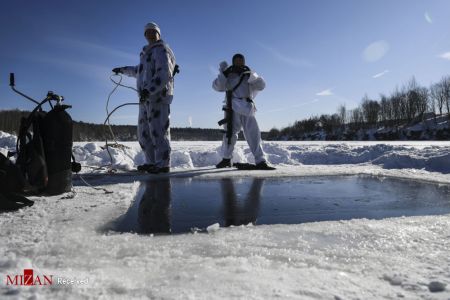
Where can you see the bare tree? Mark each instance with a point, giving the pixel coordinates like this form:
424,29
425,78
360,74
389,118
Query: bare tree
416,100
410,98
422,99
432,101
396,100
342,113
356,118
437,93
330,123
370,109
385,109
445,82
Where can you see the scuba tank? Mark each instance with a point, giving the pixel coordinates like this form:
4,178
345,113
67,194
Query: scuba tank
57,140
44,146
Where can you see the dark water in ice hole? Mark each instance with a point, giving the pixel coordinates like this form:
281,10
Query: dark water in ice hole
177,205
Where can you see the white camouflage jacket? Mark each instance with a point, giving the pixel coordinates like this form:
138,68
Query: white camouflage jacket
248,89
154,72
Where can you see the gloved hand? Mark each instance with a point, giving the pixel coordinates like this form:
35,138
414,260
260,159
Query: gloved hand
76,167
223,66
143,95
253,77
117,70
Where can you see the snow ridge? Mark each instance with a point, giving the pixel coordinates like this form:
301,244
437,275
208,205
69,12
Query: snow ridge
429,156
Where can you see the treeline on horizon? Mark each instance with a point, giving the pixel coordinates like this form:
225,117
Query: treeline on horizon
83,132
410,104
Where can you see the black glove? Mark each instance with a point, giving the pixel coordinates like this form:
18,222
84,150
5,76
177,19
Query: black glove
143,95
76,167
117,71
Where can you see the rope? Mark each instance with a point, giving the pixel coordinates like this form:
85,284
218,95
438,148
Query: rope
107,123
93,187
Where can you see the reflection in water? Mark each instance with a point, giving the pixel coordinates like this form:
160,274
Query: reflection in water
235,215
154,207
176,205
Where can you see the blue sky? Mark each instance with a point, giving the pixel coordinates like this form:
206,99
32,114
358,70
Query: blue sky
314,55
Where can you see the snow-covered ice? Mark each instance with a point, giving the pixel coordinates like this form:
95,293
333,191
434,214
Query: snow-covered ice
391,258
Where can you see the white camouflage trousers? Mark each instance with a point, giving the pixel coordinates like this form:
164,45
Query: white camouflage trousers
252,135
154,133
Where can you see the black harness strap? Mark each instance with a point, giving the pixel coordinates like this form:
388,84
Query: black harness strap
240,80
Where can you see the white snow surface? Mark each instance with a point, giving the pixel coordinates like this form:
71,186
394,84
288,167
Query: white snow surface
392,258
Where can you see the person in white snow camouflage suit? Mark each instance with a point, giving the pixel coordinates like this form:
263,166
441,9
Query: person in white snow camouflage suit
154,80
245,85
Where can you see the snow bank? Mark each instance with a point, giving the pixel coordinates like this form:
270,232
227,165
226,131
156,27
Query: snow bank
187,155
429,156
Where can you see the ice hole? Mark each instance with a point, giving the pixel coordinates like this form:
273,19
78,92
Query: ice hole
178,205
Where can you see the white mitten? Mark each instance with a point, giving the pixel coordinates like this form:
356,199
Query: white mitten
223,65
253,77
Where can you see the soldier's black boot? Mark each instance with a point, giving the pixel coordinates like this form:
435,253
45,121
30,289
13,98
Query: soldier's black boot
156,170
263,166
145,167
225,163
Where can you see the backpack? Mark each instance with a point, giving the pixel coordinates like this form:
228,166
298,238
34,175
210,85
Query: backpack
11,183
11,178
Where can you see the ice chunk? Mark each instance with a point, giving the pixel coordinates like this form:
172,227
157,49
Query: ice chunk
393,279
213,228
